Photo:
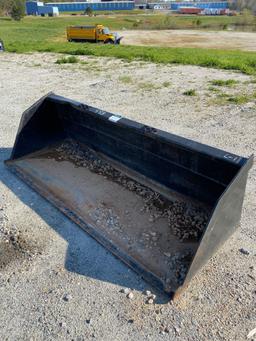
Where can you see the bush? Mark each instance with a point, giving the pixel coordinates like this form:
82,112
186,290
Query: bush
167,20
17,9
198,22
88,11
247,18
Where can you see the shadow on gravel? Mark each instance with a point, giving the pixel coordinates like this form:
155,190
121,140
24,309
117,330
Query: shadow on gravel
84,255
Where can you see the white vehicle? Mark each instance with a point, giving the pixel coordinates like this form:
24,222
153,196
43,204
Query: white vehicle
1,46
158,7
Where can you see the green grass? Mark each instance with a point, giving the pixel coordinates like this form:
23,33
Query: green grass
126,19
67,60
213,89
147,86
239,99
191,92
244,62
221,82
48,35
166,84
125,79
251,81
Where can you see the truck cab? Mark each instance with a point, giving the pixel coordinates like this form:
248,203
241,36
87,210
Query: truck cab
103,34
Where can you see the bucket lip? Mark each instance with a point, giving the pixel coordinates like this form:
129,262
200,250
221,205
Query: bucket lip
182,142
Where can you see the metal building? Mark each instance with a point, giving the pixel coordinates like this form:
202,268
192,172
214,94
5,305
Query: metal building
39,8
204,5
95,6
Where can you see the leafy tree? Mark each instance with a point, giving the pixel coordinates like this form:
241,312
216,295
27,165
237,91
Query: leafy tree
88,11
5,7
247,18
239,5
17,10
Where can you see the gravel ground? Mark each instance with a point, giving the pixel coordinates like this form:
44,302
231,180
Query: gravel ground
56,283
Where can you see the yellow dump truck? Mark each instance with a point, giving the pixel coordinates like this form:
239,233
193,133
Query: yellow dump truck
97,33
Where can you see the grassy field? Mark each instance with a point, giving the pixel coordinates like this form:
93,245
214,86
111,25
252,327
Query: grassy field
118,21
48,35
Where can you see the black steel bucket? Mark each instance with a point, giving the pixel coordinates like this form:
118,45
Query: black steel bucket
161,203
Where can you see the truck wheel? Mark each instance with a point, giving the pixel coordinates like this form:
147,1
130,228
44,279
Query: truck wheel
109,41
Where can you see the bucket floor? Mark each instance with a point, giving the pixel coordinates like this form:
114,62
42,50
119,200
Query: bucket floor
119,215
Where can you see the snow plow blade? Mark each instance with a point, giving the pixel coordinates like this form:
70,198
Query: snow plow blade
161,203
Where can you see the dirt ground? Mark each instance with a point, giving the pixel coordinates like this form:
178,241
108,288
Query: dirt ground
56,282
191,38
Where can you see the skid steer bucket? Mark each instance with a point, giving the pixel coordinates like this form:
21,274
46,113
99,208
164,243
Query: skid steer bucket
161,203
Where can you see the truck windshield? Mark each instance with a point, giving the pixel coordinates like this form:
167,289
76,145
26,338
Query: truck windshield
106,30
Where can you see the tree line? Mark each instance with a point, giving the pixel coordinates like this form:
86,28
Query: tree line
240,5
